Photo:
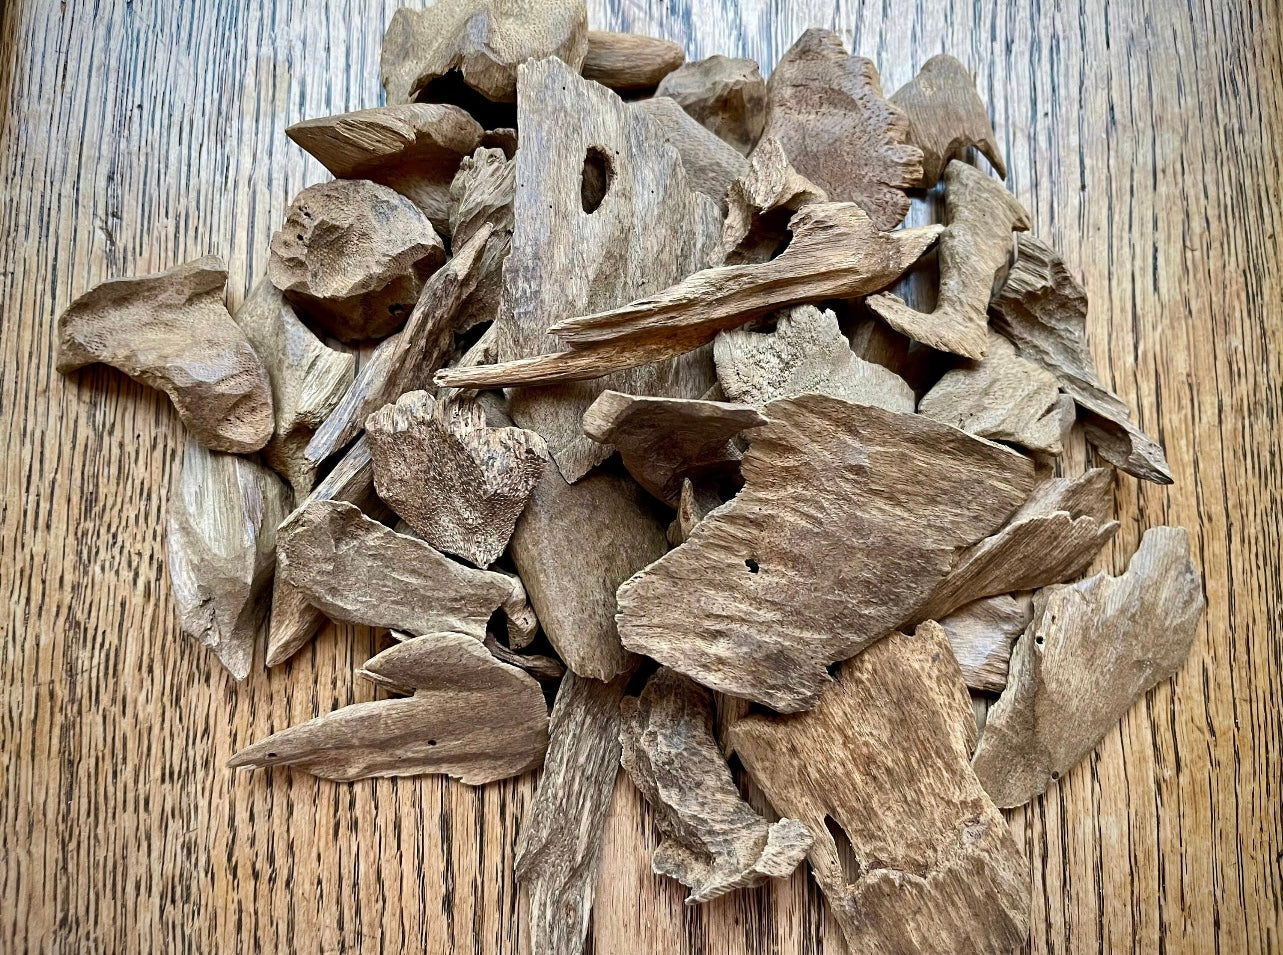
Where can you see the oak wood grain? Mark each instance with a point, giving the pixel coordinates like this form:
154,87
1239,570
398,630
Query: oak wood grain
1146,139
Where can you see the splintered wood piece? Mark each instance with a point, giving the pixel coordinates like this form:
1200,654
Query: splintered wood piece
727,96
663,440
805,354
480,42
826,108
946,115
697,498
849,518
628,62
544,669
353,568
1094,647
761,204
308,380
481,194
711,164
353,256
171,331
604,205
560,840
714,842
1051,538
458,483
884,758
472,717
981,635
1002,397
406,361
414,148
1043,310
522,624
221,545
980,215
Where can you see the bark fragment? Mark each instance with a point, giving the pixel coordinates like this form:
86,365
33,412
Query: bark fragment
628,62
727,96
761,204
981,635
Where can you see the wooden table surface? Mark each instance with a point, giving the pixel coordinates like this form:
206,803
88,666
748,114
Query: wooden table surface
1146,138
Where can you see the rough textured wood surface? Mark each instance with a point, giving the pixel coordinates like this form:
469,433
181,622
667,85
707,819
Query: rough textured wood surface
629,62
711,164
725,94
761,203
981,634
1141,137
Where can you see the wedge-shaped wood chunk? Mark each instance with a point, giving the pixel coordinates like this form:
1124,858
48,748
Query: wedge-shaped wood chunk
946,115
560,840
482,193
849,518
628,62
884,757
825,107
663,440
484,41
761,204
171,331
714,842
727,96
1093,648
472,717
221,546
981,635
980,215
308,380
1043,310
697,498
355,569
805,354
459,484
711,164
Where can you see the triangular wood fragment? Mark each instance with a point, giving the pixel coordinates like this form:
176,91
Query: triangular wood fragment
826,108
980,215
946,115
171,331
697,498
727,96
981,635
849,518
221,546
761,204
471,717
1093,648
714,842
481,194
711,164
882,763
1043,310
629,62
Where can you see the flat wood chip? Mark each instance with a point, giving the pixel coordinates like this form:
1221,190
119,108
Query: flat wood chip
1094,647
727,96
826,109
711,163
761,204
171,331
981,635
882,764
849,518
628,62
980,215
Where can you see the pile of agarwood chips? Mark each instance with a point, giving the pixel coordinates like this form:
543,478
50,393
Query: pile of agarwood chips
653,431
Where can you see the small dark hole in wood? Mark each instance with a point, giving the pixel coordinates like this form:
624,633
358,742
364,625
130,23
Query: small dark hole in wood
1038,640
851,868
299,237
752,565
595,182
271,755
432,742
1055,777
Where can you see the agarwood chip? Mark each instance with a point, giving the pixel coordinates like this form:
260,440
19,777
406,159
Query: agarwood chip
980,215
805,354
1094,647
1043,310
472,717
1001,397
981,635
459,484
714,842
560,840
662,440
414,148
761,204
355,569
503,139
946,115
826,109
353,256
883,758
542,668
628,62
697,498
171,331
522,623
308,380
711,164
727,96
482,193
849,518
221,545
485,41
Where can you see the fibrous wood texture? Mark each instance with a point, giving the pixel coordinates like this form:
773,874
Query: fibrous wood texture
761,204
629,62
849,518
726,95
172,332
481,194
711,164
981,634
885,758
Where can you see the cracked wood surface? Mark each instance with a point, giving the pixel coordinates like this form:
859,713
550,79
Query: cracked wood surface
118,832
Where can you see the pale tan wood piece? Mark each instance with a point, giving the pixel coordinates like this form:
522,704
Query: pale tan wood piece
171,331
629,62
981,635
726,95
696,499
761,204
481,194
884,759
1093,649
711,163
